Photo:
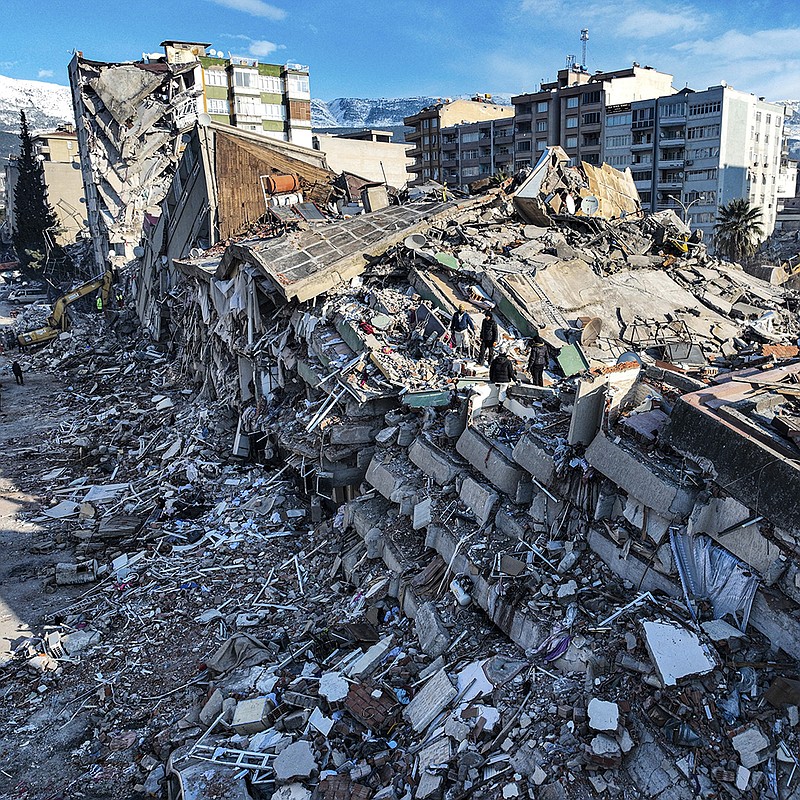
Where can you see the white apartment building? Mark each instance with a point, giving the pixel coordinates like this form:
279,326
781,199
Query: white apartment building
696,151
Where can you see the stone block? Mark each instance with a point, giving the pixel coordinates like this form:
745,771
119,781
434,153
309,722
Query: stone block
497,467
479,499
430,701
434,638
433,461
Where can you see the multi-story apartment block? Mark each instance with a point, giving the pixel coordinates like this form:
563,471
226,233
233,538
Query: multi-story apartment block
476,150
428,124
695,151
58,153
571,110
130,117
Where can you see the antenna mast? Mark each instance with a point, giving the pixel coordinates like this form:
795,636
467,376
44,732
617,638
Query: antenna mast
584,44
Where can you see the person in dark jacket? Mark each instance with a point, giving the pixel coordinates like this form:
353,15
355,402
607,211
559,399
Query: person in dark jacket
17,370
462,327
488,337
501,373
537,358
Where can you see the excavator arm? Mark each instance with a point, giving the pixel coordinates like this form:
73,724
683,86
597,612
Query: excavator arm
57,321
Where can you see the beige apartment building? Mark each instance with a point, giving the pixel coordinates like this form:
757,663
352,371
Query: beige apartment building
368,153
58,152
427,125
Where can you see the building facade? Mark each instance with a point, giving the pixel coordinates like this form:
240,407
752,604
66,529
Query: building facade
477,150
428,123
570,111
695,151
370,154
58,153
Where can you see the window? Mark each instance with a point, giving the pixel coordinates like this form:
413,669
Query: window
435,141
467,154
246,107
524,147
703,132
592,158
618,141
592,118
540,145
215,77
246,79
297,84
502,132
614,120
426,123
643,117
591,98
642,158
704,198
541,125
518,165
434,123
523,127
426,156
571,141
572,122
271,84
470,137
470,172
702,152
758,116
572,102
426,140
672,110
275,111
426,173
701,109
541,106
646,197
642,175
591,139
643,138
218,107
619,161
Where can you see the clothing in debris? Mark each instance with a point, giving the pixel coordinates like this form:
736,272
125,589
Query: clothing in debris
537,359
488,337
17,370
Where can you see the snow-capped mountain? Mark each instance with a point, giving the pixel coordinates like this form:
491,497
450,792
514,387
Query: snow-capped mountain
358,112
45,104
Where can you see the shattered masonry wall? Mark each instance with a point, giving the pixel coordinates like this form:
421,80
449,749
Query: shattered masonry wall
129,118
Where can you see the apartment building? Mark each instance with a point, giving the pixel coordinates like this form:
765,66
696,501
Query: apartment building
426,137
476,150
695,151
571,110
58,152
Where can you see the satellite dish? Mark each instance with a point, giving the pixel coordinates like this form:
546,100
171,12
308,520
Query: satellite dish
82,200
415,242
570,203
589,205
138,251
76,165
627,356
590,331
204,120
195,252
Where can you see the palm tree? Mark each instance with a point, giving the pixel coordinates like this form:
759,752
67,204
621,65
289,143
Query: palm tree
738,230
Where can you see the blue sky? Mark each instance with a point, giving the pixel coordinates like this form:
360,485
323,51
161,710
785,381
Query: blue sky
395,48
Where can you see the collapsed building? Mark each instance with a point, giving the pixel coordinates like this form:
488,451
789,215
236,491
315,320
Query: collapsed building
601,571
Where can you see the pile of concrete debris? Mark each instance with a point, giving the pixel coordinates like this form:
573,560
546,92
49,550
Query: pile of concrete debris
429,585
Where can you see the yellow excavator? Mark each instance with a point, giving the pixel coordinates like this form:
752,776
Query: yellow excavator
58,320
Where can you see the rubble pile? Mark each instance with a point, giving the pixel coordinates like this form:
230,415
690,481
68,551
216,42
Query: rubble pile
319,553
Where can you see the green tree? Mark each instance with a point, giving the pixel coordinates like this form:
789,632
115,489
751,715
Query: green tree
738,230
34,219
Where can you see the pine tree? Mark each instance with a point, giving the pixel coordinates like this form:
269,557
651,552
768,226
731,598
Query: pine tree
34,218
738,230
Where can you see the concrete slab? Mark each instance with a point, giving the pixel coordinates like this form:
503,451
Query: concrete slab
676,652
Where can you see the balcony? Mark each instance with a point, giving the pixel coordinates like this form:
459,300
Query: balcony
642,146
642,124
414,152
414,168
413,135
672,141
498,140
669,183
449,145
670,121
670,163
523,117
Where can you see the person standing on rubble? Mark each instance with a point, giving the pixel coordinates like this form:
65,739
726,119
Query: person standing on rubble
537,358
17,370
488,337
462,327
501,374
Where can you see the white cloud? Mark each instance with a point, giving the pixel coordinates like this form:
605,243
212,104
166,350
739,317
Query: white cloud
256,8
45,73
262,48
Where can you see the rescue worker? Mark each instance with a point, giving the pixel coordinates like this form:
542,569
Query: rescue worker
488,337
17,370
537,358
501,374
462,327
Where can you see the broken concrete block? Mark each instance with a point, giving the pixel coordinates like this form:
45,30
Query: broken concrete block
603,715
296,761
292,791
430,701
752,746
742,778
605,746
250,716
434,638
421,514
368,662
77,642
676,652
433,461
480,500
212,708
333,687
375,542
